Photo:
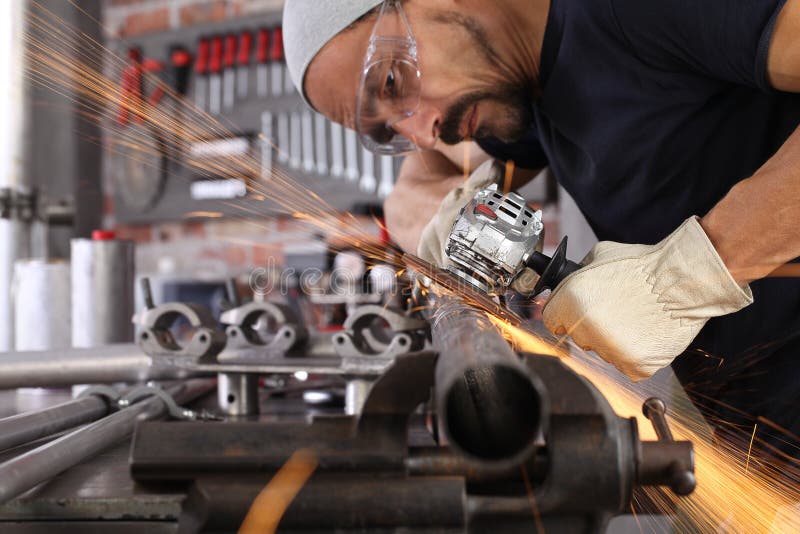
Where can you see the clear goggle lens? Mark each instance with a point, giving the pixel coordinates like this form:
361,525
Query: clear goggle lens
390,93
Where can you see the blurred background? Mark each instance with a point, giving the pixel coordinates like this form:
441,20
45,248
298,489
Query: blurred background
192,230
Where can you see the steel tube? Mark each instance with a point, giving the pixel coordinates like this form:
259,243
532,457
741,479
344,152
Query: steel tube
14,176
490,405
42,463
112,363
102,273
26,427
237,393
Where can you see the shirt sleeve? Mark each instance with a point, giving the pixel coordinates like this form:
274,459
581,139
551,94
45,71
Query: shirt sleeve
725,39
526,153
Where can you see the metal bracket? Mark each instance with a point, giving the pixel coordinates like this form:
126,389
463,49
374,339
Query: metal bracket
107,393
381,333
243,332
156,339
177,412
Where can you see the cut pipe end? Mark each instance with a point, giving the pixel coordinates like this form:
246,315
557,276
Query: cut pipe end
493,412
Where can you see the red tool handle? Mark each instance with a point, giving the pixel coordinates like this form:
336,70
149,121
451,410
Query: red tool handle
130,85
126,89
262,46
137,81
229,58
215,57
153,65
276,52
245,44
203,53
180,69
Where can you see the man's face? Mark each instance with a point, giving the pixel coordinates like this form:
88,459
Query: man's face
467,89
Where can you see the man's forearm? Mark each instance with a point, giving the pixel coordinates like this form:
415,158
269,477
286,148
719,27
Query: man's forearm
756,226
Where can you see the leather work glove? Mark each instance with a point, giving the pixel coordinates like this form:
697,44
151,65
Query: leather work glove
639,306
433,240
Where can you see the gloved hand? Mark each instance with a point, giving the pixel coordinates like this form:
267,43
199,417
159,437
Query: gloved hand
434,236
639,306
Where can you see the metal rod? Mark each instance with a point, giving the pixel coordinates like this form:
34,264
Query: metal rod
490,405
15,108
42,463
26,427
147,293
655,410
112,363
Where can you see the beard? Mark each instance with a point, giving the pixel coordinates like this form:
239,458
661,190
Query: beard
508,125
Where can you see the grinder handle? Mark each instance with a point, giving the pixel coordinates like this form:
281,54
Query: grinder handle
553,270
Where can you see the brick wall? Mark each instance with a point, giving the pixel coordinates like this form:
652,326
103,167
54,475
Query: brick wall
127,18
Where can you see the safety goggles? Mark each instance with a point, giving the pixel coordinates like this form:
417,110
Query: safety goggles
390,83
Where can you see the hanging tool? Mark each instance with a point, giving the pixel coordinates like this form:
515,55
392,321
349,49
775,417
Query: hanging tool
266,144
288,84
351,155
138,152
180,68
243,65
295,141
321,143
200,74
276,59
387,176
368,182
337,150
215,76
262,62
229,72
130,85
309,165
176,78
283,138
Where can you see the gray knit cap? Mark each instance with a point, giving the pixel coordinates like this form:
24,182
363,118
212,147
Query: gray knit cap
309,24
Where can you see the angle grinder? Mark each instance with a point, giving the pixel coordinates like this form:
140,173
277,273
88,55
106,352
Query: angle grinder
496,237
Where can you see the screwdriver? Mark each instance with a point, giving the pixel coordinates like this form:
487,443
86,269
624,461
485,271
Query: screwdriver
181,64
387,176
309,165
262,60
214,78
276,56
131,85
243,62
320,143
229,72
337,150
200,72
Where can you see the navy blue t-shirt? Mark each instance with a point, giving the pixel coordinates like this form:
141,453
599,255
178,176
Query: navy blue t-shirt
651,110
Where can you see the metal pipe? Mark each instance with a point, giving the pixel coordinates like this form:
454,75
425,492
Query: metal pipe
355,395
112,363
42,463
26,427
490,405
102,274
237,393
14,233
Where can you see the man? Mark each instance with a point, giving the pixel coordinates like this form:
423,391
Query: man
673,124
